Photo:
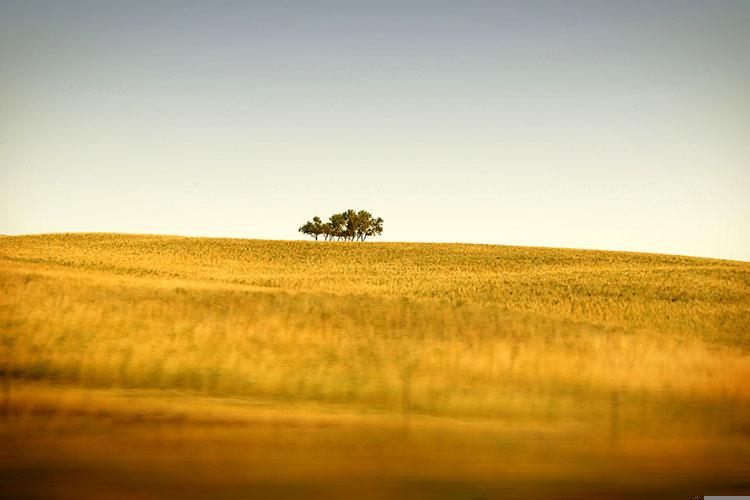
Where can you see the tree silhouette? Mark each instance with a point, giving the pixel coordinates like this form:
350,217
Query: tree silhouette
349,225
314,228
338,225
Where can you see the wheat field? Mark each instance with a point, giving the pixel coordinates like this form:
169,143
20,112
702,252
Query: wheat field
138,366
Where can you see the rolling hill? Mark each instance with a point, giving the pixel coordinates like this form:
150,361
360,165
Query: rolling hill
385,369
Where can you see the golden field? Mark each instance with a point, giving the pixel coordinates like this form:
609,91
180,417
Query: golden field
156,366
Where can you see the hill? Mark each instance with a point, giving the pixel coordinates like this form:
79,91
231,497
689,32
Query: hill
639,355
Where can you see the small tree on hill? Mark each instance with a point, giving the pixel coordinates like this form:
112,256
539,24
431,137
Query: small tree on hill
349,225
314,228
364,221
338,225
375,228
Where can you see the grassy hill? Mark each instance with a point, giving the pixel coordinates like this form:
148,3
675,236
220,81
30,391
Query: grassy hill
631,352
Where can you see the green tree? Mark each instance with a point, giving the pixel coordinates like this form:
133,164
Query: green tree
317,227
364,220
375,228
349,225
327,231
338,225
314,228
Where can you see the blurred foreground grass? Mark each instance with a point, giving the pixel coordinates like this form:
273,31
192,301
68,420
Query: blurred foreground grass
403,370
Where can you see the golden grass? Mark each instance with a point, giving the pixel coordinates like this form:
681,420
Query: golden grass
620,343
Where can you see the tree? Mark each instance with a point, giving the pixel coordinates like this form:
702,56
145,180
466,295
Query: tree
327,231
317,227
364,221
306,228
314,228
375,228
338,225
349,225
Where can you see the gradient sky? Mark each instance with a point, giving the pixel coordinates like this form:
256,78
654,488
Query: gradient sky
622,125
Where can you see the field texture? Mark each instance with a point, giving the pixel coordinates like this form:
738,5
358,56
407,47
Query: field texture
154,366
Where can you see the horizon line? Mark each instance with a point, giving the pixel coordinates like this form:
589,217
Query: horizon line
171,235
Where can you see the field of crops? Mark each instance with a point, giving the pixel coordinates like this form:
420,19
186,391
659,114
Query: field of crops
151,366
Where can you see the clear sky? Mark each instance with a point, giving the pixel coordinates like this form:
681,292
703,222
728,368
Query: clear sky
613,125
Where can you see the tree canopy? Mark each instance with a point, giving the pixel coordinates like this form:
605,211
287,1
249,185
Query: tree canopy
349,225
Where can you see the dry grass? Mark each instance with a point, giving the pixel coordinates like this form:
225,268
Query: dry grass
620,343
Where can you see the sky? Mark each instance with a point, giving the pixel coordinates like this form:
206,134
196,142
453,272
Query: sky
608,125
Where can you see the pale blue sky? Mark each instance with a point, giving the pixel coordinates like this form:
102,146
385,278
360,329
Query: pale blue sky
613,125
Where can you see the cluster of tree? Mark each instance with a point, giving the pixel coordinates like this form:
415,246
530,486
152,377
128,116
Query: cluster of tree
349,226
